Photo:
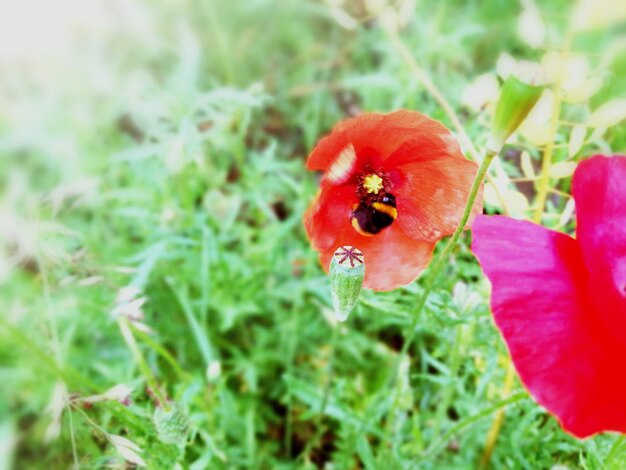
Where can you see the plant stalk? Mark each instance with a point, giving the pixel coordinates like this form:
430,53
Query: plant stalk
542,194
129,338
436,268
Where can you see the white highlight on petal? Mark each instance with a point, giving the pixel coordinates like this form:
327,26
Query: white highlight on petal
342,167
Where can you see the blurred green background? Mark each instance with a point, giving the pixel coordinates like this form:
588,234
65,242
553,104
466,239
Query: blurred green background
152,185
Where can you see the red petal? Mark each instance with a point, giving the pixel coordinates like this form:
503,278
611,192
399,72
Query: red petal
329,215
562,354
600,194
356,131
401,136
391,258
432,195
429,140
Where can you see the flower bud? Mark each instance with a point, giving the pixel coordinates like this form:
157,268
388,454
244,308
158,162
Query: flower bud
516,100
347,270
213,371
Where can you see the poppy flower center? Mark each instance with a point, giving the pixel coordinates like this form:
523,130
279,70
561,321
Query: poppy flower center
377,207
372,183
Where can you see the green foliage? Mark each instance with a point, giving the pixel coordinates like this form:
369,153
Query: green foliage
171,425
168,157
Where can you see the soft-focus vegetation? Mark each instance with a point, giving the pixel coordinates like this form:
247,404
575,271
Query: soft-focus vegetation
152,187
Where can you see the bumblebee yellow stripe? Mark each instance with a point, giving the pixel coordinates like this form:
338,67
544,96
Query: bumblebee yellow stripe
385,208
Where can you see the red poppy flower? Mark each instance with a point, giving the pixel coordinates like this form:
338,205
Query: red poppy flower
393,185
560,302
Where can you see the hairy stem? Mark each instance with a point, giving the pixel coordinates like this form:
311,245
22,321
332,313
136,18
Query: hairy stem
544,182
441,259
435,270
546,163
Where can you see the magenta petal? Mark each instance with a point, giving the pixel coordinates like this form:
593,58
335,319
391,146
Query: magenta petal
561,354
600,192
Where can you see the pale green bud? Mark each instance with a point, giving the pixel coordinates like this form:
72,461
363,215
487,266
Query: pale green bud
516,100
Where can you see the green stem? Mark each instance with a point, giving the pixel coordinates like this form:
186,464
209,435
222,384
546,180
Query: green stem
448,389
331,373
199,334
435,270
498,420
66,373
472,419
89,421
51,316
617,449
73,439
161,351
290,359
129,338
544,181
441,259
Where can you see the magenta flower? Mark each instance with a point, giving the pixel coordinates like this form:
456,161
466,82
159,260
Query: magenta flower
560,302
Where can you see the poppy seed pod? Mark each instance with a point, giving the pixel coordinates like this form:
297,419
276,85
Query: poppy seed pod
347,270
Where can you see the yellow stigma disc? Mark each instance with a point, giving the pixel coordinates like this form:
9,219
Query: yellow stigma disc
373,183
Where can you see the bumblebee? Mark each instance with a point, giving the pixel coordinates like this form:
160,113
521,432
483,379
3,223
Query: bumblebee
373,214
